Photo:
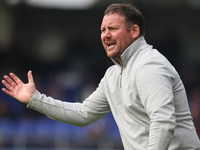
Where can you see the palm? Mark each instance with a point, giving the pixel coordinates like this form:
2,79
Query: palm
17,89
21,91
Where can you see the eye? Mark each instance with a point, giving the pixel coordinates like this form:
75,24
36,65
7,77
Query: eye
113,28
103,30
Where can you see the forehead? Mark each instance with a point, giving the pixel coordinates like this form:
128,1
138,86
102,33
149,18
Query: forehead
113,19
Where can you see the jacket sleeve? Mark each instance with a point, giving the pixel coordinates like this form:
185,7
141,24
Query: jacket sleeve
155,88
79,114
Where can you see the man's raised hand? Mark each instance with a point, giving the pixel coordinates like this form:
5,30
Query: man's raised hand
17,89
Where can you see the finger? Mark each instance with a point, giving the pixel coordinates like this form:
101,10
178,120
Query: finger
10,81
8,86
15,78
7,92
30,77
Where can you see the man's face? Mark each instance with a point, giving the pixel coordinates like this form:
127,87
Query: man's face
115,36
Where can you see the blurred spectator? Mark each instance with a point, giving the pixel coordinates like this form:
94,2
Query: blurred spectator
194,105
25,33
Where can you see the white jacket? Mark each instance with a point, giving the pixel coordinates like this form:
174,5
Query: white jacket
146,97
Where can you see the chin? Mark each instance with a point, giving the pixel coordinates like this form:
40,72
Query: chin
110,55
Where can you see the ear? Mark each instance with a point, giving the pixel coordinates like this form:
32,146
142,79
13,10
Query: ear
135,30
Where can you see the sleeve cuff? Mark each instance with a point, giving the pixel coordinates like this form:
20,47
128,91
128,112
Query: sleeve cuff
33,100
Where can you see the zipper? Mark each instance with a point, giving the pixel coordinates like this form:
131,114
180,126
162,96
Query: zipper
121,78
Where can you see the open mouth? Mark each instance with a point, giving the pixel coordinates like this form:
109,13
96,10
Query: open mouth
110,45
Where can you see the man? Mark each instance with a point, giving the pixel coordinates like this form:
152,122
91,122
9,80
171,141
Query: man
142,90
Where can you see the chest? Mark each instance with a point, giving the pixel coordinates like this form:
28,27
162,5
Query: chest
122,91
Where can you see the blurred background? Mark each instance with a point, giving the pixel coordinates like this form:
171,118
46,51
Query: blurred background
60,42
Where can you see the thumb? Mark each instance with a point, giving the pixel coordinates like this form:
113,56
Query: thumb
30,77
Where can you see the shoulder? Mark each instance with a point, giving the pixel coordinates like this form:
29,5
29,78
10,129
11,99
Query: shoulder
152,57
112,69
152,64
111,73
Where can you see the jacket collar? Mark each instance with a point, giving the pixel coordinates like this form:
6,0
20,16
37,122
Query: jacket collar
131,50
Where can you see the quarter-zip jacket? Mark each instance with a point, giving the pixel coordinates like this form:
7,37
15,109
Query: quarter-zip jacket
146,97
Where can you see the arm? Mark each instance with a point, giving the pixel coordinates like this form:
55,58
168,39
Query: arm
155,83
80,114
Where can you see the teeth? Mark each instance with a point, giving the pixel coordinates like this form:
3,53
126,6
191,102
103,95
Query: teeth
111,46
